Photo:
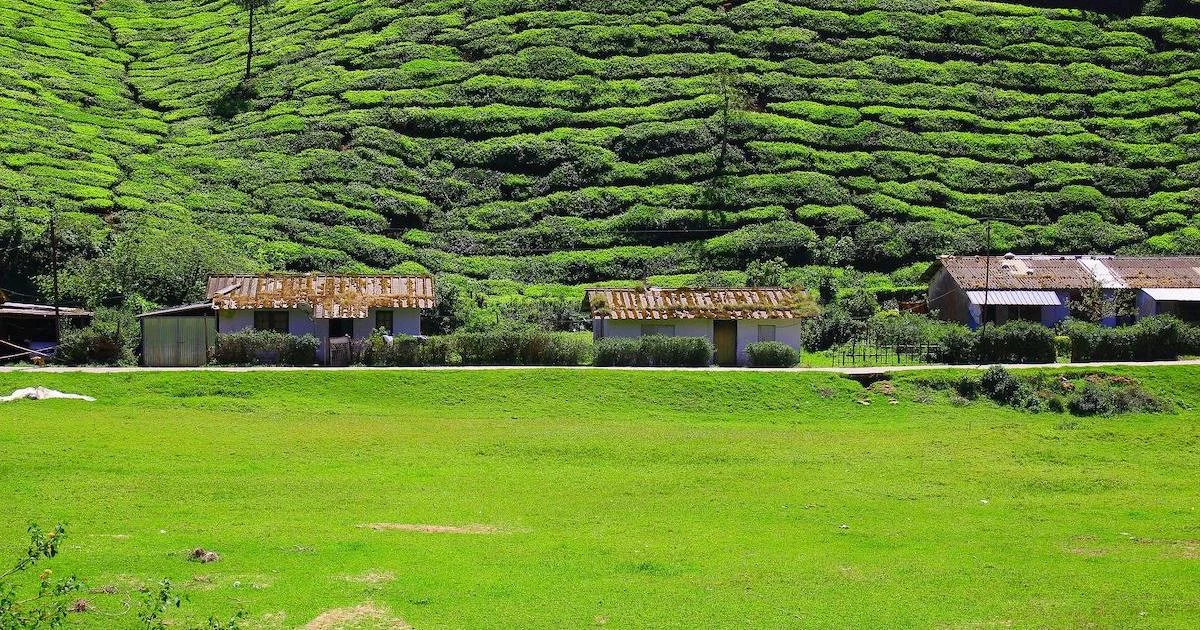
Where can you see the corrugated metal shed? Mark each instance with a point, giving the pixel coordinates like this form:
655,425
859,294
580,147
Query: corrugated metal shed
1173,272
1015,298
756,303
328,295
1174,295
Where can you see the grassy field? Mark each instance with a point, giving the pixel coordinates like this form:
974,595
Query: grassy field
625,499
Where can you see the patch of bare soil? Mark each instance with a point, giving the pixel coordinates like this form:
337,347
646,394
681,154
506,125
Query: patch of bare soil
432,529
366,616
371,577
1087,547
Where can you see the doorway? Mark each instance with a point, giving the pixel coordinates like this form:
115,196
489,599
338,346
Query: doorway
342,327
725,340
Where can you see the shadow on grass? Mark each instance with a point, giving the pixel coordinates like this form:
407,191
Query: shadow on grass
233,101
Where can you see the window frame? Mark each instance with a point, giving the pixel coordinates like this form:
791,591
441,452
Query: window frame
650,330
774,332
269,319
391,320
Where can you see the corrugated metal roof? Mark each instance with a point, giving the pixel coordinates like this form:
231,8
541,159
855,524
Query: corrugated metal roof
755,303
19,309
328,295
1022,272
199,308
1174,295
1018,272
1015,298
1173,272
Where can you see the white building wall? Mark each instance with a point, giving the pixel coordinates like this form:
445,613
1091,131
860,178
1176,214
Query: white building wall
626,328
786,331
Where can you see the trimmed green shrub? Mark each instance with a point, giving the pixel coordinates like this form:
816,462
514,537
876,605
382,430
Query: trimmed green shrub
1159,337
1015,342
521,348
265,347
654,351
958,346
403,351
772,354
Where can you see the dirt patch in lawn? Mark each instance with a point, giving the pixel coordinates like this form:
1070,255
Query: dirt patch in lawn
432,529
367,616
371,577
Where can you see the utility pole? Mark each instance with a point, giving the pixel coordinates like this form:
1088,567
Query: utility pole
54,267
987,267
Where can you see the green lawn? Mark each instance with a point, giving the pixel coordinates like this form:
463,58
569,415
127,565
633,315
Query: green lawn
628,499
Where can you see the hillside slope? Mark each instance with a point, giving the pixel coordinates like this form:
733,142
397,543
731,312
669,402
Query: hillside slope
584,141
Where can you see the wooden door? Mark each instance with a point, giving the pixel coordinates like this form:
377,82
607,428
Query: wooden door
725,340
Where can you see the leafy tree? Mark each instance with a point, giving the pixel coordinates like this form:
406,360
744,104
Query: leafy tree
251,6
1095,304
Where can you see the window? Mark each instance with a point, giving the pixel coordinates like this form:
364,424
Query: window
271,320
766,333
384,320
666,330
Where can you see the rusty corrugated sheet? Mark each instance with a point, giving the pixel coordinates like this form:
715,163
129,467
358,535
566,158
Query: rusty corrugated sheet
1018,272
328,295
754,303
1174,272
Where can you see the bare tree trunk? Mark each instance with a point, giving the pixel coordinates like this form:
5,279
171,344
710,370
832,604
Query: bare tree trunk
250,43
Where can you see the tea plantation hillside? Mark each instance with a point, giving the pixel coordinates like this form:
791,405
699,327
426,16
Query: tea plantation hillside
574,142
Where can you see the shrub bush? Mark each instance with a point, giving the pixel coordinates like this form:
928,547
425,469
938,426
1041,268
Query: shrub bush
1159,337
772,354
654,351
1101,396
110,339
957,347
265,347
521,348
1015,342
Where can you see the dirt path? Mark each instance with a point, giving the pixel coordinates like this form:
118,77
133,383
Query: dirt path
835,370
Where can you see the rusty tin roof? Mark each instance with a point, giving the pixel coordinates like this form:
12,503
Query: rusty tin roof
756,303
1174,272
1041,272
1017,273
328,295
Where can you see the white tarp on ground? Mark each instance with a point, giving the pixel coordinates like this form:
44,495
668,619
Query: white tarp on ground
41,393
1014,298
1174,295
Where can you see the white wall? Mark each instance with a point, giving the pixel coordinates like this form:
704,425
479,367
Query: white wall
633,327
786,331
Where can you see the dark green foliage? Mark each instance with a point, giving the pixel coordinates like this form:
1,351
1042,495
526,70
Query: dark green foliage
772,354
653,351
834,326
1110,396
110,339
529,347
264,347
958,346
1159,337
1082,395
403,351
1015,342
